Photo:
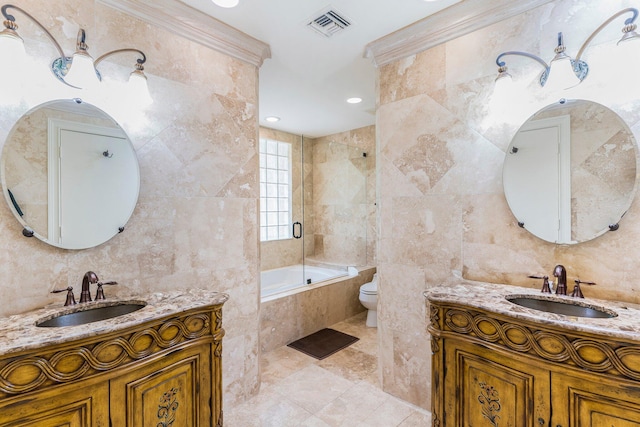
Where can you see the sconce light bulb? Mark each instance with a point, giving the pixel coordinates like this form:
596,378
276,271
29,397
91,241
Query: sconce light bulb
561,74
82,73
503,76
138,87
226,3
628,36
11,44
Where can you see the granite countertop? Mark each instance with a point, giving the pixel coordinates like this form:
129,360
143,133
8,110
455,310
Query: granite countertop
19,332
491,297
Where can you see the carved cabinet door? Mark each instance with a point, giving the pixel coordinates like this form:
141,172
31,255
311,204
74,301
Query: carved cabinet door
172,392
592,401
493,389
69,406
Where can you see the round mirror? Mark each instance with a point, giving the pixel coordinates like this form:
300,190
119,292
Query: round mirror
570,172
70,174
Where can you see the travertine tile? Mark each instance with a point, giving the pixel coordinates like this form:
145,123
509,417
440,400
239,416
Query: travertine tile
417,419
303,388
392,412
340,390
268,409
314,422
353,405
282,362
351,364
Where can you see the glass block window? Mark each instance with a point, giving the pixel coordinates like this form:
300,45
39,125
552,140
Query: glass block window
275,190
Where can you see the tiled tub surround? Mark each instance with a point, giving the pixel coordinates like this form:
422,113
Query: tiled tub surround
294,314
443,216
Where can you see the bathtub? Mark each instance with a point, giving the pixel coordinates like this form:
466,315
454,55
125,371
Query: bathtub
288,278
289,315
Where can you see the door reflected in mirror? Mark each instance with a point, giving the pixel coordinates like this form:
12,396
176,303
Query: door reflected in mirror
70,174
570,171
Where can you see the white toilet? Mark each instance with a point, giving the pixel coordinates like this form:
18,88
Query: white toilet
369,299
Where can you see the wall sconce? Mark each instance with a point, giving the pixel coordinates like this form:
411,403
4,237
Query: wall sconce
78,71
566,71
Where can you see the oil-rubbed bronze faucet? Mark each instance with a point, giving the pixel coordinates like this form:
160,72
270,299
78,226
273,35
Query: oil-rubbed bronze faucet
561,273
85,295
89,277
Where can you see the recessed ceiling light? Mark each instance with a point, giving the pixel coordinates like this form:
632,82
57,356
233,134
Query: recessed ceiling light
272,119
226,3
354,100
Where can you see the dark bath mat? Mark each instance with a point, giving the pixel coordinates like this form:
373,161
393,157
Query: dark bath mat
323,343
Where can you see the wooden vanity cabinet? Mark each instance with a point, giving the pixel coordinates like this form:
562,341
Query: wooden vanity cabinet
69,406
486,382
583,400
160,373
166,392
496,371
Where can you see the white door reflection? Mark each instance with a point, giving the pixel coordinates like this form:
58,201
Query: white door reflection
538,177
89,177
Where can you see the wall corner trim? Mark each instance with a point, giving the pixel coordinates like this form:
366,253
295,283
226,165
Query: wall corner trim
450,23
183,20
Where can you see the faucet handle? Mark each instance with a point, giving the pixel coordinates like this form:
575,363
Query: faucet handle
577,292
100,291
71,300
545,284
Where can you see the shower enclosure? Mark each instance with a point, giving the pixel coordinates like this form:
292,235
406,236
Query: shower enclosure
315,209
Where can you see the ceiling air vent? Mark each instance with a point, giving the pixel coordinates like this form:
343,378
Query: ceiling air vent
329,22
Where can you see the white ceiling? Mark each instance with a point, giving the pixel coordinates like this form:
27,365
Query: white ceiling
308,77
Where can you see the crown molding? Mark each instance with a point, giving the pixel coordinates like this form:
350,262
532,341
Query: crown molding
448,24
183,20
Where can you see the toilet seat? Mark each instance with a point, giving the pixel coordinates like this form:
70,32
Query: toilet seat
370,288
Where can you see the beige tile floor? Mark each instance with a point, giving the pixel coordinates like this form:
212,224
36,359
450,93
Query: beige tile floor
339,391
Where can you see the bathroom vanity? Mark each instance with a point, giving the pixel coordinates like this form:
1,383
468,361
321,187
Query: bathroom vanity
158,366
496,363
